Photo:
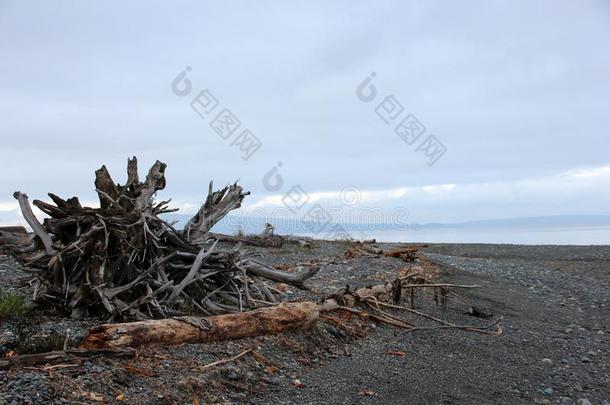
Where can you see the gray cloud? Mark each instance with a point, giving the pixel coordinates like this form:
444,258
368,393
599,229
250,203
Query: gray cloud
515,91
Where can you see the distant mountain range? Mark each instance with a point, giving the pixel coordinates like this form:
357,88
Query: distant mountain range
528,222
294,226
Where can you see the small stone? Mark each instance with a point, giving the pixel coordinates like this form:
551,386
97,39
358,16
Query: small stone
548,391
591,353
547,361
583,401
7,337
230,372
600,332
566,401
585,359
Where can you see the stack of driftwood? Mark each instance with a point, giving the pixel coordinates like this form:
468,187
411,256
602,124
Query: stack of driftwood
125,261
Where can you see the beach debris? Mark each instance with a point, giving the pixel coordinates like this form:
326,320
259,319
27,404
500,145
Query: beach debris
12,235
124,261
263,240
359,249
69,357
372,302
408,253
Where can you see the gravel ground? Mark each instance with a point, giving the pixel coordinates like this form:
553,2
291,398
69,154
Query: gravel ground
555,348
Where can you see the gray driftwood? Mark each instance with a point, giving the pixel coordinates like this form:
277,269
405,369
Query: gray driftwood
123,260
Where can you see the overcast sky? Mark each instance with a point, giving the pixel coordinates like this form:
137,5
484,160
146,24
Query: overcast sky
517,92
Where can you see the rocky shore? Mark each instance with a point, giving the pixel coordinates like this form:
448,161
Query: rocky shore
555,348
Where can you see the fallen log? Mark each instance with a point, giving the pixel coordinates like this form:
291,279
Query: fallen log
296,279
68,356
267,238
271,320
173,331
13,229
14,236
362,249
250,240
28,360
406,253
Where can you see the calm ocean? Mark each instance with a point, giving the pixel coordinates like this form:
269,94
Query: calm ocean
590,235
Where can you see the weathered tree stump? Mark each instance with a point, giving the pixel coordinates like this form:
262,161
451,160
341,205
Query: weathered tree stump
124,261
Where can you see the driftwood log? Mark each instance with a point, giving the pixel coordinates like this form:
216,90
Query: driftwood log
122,260
13,235
68,356
252,240
408,253
267,238
281,318
277,319
13,229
